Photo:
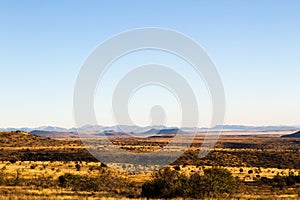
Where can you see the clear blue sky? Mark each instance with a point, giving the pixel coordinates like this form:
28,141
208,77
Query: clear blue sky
255,45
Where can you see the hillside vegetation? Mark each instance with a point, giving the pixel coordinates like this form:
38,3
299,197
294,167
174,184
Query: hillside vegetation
247,166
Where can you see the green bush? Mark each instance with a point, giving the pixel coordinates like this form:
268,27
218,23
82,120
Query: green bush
168,183
218,182
79,183
195,189
281,182
105,181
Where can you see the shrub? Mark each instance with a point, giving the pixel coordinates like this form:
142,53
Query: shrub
2,178
78,183
168,183
105,181
218,182
195,189
78,167
280,182
33,166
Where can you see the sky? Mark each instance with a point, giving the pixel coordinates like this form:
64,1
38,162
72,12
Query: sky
255,46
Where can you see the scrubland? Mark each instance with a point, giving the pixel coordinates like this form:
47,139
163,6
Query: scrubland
32,167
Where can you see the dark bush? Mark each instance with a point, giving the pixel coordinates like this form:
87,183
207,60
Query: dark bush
105,181
168,183
79,183
195,189
2,178
33,166
78,167
280,182
218,182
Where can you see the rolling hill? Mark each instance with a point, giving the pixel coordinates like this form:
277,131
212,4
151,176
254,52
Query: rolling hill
54,134
24,139
293,135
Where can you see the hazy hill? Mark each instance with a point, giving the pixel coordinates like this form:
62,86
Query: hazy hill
293,135
54,134
23,139
165,131
143,129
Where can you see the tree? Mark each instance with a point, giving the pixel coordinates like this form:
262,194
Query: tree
218,182
195,189
167,183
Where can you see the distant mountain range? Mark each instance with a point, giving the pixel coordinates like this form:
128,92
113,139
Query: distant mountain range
140,129
107,133
88,131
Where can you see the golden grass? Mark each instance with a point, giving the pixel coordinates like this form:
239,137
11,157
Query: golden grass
33,169
28,193
55,169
